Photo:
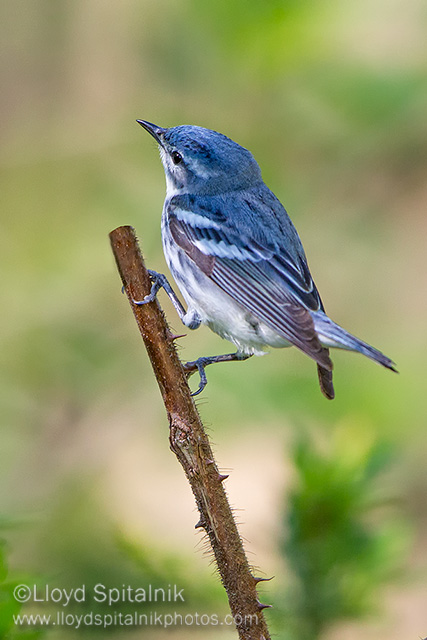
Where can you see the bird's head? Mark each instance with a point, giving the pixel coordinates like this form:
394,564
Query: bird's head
203,162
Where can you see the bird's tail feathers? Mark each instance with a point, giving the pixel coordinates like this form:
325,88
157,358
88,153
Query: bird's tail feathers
332,335
325,381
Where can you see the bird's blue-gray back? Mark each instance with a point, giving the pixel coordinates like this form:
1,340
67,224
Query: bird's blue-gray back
255,219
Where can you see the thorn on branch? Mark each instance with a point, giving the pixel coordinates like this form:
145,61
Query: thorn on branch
175,336
262,606
257,579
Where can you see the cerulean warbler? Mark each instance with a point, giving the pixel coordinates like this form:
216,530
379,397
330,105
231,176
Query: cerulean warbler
236,256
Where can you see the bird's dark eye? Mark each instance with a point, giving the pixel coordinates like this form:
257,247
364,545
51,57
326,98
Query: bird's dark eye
176,157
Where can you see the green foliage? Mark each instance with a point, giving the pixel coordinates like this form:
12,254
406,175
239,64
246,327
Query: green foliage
264,38
341,542
9,606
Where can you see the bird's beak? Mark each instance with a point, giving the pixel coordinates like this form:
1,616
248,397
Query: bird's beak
153,129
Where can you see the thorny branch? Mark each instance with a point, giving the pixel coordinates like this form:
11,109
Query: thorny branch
190,443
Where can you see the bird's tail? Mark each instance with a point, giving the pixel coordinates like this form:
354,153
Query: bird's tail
332,335
325,381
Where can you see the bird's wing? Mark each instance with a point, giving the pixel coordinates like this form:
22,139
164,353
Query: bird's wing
264,280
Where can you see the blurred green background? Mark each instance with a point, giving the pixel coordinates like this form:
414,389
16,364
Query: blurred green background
331,98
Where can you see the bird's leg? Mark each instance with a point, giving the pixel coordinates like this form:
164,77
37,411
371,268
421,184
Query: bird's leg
192,321
159,281
200,364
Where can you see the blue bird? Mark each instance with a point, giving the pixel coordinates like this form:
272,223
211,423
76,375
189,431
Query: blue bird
236,256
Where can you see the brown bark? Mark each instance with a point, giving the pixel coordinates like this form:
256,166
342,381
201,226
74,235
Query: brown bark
190,443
